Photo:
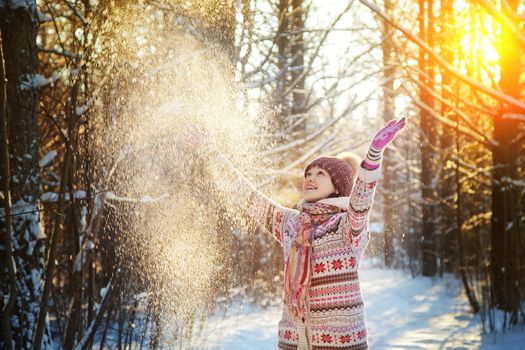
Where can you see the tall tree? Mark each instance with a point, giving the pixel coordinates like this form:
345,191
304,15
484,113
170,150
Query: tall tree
504,233
298,75
428,155
19,25
290,96
447,187
390,212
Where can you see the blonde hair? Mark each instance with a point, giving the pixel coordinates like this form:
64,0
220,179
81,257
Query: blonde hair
353,159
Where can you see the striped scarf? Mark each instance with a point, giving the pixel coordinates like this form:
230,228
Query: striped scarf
297,268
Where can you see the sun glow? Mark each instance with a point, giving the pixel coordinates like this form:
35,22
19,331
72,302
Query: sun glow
478,34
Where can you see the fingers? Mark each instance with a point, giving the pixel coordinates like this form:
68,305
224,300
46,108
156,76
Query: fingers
390,123
401,123
395,124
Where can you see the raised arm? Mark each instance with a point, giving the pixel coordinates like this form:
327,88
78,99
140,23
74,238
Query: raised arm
369,172
360,204
264,211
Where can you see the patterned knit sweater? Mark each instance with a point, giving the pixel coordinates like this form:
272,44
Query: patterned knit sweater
337,318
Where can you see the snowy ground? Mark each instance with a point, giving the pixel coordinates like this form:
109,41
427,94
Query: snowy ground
402,313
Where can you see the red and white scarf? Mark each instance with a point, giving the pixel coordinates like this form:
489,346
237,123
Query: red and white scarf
297,268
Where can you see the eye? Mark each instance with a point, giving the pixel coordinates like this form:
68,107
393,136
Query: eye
320,173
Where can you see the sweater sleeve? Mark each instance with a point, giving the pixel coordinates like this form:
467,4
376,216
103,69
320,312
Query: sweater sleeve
267,214
361,200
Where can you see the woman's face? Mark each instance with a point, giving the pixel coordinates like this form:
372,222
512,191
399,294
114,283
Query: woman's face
317,185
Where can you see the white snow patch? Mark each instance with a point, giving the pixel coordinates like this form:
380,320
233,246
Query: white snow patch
14,264
149,199
110,195
34,81
47,158
515,182
89,245
83,219
49,197
80,194
19,4
402,313
42,17
515,116
40,234
78,262
52,197
79,110
145,199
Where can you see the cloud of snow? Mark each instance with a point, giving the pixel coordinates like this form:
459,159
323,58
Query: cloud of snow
173,203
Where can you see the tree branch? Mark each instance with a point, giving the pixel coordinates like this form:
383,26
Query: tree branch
495,12
422,44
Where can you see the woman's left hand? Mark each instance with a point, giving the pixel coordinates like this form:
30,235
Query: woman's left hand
388,133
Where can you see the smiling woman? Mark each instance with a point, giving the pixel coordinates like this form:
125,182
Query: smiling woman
323,241
317,184
327,177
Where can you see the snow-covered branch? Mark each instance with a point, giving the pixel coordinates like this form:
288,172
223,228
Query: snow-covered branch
439,59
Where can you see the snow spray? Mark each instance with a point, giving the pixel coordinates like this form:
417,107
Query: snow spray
169,209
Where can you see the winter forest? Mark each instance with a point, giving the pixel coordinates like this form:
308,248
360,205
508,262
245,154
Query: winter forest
120,231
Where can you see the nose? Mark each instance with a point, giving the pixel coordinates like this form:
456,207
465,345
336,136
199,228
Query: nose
309,182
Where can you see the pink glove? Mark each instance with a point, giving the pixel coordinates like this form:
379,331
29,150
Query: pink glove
386,135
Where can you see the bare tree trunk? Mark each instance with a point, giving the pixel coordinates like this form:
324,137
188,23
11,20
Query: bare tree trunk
471,296
283,41
74,322
19,25
504,233
297,54
290,96
60,212
390,212
10,286
428,155
448,190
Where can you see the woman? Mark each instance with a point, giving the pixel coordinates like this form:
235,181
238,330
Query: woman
323,241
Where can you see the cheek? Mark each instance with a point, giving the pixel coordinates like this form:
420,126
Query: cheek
327,184
331,185
304,184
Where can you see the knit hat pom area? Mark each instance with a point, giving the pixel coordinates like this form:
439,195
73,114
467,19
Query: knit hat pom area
340,170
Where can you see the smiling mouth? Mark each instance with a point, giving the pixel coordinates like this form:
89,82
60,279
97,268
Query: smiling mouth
310,188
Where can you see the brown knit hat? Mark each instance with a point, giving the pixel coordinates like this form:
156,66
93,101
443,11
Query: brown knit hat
340,169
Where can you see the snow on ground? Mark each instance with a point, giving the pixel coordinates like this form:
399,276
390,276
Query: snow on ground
402,313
